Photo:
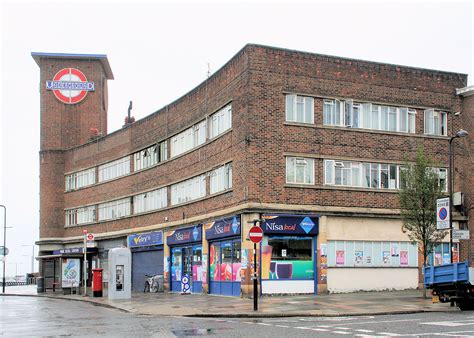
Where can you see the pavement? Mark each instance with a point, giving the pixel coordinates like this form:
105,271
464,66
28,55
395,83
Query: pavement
198,305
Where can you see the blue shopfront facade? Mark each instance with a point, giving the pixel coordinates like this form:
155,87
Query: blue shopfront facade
186,258
224,238
289,253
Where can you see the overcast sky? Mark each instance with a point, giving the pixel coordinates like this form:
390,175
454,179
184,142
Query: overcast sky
158,51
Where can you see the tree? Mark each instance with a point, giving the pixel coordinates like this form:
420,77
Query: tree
419,191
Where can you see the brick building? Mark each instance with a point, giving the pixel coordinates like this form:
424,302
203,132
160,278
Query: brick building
311,143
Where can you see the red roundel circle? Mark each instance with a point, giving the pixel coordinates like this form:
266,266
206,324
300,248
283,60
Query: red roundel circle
256,234
68,95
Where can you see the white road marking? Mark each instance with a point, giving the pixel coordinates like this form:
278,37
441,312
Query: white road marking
365,331
285,326
318,329
343,328
384,321
451,323
248,322
303,328
455,333
341,332
387,334
265,324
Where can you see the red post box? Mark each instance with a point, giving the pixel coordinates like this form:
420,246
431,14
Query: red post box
97,282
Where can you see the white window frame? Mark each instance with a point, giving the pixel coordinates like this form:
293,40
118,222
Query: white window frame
296,164
151,200
80,179
291,108
220,178
435,122
114,169
114,209
188,190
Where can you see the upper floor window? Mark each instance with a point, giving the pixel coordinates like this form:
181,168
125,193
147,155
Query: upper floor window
114,209
80,179
436,122
221,178
299,108
188,139
299,170
151,200
220,121
150,156
114,169
80,215
368,116
188,190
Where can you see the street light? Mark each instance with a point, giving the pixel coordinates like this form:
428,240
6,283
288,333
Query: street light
4,242
459,134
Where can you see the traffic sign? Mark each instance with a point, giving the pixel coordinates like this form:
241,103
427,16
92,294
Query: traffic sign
4,251
90,237
84,231
256,234
442,213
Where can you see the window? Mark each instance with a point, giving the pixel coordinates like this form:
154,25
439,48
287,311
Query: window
221,178
441,255
151,200
442,178
188,190
150,156
411,121
299,170
290,257
114,209
299,109
114,169
219,122
435,123
80,215
392,119
80,179
188,139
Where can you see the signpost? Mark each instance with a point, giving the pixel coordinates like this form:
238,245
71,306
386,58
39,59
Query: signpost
85,259
442,213
256,236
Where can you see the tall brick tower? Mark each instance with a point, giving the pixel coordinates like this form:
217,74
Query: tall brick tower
73,95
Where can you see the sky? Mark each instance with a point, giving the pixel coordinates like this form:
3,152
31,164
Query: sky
160,50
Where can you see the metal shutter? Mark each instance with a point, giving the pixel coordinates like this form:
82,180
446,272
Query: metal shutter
145,262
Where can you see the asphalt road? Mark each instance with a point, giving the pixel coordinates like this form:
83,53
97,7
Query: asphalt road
34,316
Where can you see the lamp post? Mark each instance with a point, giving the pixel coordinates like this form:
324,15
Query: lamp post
460,133
4,242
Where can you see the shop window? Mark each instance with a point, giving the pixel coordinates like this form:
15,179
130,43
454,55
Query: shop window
288,258
225,262
176,265
199,271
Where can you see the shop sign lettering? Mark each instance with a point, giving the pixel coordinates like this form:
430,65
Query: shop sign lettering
145,239
223,228
186,235
291,224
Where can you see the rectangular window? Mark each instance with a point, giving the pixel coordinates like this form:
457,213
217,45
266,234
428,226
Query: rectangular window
151,200
435,122
329,171
299,109
188,190
150,156
79,216
411,121
299,170
403,123
221,178
367,116
384,118
343,172
219,122
442,178
291,257
375,117
114,169
356,114
392,119
192,137
114,209
80,179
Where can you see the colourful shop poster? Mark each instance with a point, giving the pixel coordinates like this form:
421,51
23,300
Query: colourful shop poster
70,272
359,257
403,257
291,269
340,257
386,257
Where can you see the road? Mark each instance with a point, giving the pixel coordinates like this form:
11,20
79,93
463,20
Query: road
20,316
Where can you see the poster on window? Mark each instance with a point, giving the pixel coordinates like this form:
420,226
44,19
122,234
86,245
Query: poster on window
386,257
359,257
340,257
71,269
455,255
437,259
394,250
403,257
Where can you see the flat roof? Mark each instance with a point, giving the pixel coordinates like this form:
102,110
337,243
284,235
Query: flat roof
37,56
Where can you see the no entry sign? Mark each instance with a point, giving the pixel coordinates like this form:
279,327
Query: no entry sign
256,234
90,237
70,85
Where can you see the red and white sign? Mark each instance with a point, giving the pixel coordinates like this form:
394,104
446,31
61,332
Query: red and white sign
70,85
84,231
90,237
256,234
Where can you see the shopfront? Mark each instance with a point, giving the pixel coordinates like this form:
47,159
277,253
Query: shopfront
289,254
147,257
186,258
224,237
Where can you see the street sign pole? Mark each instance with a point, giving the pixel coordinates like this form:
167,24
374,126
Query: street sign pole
255,282
85,262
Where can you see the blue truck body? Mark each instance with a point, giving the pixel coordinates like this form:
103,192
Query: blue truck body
452,283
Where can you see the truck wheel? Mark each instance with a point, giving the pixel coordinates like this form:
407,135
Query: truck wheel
465,305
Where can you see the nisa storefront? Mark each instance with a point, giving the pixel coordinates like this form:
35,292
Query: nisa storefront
224,238
289,254
186,258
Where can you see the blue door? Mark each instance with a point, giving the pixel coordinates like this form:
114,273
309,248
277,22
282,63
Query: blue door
186,261
225,268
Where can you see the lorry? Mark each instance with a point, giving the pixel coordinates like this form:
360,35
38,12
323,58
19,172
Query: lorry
453,283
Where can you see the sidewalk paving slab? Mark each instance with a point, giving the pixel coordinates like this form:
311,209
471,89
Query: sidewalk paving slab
194,305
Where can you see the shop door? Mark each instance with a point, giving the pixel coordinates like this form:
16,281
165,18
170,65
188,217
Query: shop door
145,262
225,268
197,270
176,269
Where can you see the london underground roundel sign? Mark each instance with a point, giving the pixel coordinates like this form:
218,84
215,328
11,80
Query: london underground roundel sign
70,85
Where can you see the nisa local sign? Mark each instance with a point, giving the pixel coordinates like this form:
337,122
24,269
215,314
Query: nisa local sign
185,235
145,239
70,85
291,224
223,228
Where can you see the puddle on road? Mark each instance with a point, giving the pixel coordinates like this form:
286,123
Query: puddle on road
195,332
